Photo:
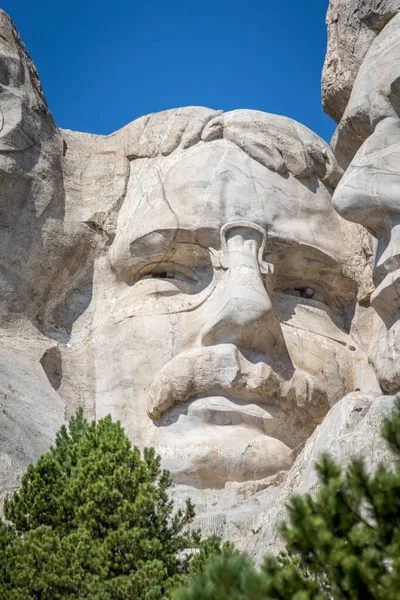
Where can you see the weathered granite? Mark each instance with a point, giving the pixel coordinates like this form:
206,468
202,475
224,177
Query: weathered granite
352,27
30,412
351,428
367,144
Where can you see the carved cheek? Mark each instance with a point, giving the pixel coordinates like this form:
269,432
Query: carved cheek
329,361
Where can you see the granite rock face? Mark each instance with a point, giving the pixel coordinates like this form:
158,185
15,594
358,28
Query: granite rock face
30,413
366,144
47,249
352,27
188,274
351,428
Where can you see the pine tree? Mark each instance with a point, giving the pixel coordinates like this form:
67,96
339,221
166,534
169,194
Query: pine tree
92,519
344,544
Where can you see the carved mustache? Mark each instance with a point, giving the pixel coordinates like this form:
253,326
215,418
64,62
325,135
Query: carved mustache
220,368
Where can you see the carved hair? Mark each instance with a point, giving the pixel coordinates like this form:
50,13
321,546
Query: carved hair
279,143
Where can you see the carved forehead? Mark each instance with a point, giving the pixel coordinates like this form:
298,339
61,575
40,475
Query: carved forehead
217,182
198,191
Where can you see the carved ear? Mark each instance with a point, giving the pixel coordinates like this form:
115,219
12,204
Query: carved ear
23,107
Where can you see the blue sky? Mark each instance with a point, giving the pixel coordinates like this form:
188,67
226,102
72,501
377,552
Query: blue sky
103,64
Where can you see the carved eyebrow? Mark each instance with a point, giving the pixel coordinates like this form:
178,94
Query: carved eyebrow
316,266
286,247
158,240
158,246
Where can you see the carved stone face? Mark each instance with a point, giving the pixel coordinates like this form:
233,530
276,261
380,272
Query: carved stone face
369,192
222,281
352,27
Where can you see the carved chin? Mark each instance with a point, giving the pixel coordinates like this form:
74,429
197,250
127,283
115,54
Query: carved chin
212,456
233,433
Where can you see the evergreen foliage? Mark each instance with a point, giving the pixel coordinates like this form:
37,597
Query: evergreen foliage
344,544
92,519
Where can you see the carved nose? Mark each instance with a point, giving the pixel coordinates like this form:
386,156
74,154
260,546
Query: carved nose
241,311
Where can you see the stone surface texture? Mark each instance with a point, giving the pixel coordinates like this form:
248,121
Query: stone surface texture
228,264
189,274
352,26
367,146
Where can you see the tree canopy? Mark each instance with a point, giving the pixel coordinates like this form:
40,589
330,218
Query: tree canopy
93,519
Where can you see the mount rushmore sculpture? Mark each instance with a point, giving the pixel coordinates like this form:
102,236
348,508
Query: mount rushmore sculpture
224,284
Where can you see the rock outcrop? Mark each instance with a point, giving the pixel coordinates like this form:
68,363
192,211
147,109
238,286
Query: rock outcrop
352,27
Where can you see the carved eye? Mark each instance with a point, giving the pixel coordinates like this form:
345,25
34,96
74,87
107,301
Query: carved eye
176,273
303,292
164,275
308,293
